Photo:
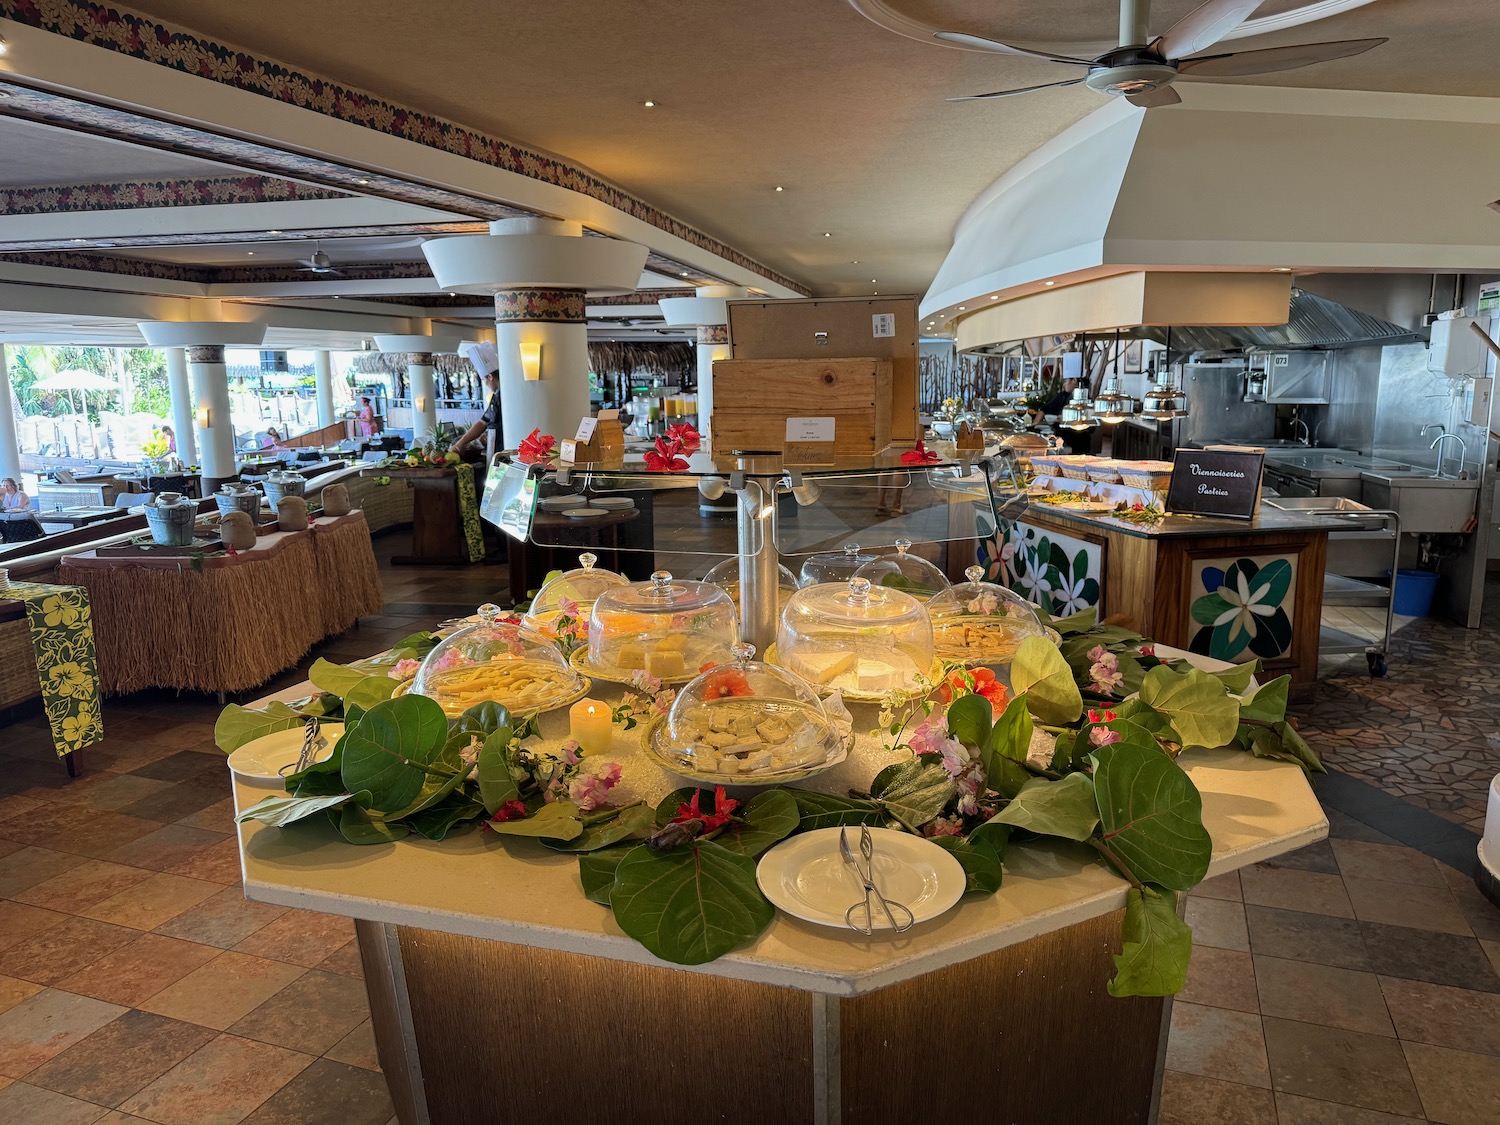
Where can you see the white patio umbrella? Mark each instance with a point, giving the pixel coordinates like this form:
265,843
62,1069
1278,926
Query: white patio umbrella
76,379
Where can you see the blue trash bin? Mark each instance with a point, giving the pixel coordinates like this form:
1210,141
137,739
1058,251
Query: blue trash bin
1414,590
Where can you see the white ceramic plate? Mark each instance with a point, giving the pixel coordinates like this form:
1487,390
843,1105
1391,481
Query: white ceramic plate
612,503
585,513
259,763
560,503
806,877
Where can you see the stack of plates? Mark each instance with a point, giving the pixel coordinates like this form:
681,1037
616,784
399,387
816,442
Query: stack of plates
586,513
612,503
560,503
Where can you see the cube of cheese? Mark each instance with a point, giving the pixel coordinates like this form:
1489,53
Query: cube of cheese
672,642
664,664
631,657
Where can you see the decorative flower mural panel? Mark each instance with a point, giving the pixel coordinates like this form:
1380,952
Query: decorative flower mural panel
1244,610
1058,573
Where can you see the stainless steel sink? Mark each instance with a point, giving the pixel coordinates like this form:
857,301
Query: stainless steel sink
1420,478
1425,503
1317,504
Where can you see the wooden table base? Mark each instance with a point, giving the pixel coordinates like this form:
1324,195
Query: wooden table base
473,1030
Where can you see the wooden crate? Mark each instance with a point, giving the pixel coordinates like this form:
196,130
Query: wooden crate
827,328
753,398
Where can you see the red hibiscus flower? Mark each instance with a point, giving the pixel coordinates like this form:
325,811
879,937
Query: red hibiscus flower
689,438
921,455
725,683
535,447
511,810
977,681
724,806
664,459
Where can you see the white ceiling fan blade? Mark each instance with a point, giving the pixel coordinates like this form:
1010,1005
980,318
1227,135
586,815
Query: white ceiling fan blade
1204,26
1154,99
980,43
1020,90
1273,59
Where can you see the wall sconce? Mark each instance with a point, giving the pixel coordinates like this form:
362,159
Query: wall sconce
205,418
421,406
531,361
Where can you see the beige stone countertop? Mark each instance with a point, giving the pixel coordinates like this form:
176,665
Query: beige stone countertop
479,884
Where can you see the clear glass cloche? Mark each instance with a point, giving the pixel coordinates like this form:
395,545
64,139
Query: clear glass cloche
496,661
669,627
747,722
726,575
581,586
905,571
834,566
864,640
981,622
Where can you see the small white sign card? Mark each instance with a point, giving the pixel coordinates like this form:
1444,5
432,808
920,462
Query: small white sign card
586,429
809,441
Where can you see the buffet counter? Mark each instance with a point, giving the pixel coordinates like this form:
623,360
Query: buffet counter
488,940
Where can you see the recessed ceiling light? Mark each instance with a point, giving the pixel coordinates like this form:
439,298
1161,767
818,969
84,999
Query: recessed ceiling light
250,252
649,104
780,188
1282,269
828,234
361,181
273,232
994,296
855,262
872,281
962,307
1049,284
77,240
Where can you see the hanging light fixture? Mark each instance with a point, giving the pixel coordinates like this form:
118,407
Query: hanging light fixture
1077,414
1113,406
1164,400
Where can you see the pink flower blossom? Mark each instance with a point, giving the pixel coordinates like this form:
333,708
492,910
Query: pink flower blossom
929,735
404,669
984,603
1103,736
1105,670
570,753
955,755
943,826
568,607
591,787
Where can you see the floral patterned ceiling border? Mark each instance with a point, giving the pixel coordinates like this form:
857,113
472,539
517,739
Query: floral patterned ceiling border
138,37
131,194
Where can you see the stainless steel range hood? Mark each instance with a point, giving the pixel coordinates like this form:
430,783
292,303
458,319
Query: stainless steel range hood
1313,322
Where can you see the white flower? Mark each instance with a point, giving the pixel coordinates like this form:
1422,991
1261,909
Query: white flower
1244,606
1070,597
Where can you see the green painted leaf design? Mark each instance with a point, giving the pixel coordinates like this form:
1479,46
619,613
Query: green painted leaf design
1158,946
1209,608
1041,673
1152,815
770,815
691,904
913,792
824,810
557,821
1063,808
1201,711
281,811
388,751
1267,703
983,871
634,823
597,872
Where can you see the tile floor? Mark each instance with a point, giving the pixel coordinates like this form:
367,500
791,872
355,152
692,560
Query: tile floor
1356,981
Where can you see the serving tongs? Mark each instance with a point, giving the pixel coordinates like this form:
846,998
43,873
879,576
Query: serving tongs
866,872
312,742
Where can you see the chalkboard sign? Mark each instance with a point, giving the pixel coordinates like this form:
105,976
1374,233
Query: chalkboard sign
1216,482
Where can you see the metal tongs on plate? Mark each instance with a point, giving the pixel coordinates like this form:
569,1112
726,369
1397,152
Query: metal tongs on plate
865,911
312,742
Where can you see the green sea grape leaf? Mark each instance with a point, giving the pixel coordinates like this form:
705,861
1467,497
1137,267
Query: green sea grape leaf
1080,622
483,718
1010,737
1157,948
281,811
691,904
435,787
983,871
913,792
349,684
771,815
1146,717
636,823
596,870
970,718
1202,712
389,750
1041,673
496,785
359,826
824,810
436,822
238,725
557,821
1065,807
666,808
1267,703
992,835
1152,815
1237,679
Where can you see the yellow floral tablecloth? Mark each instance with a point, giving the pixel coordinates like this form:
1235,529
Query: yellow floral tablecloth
62,636
468,507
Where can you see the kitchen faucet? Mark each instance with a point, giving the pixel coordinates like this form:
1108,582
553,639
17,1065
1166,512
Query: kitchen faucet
1463,452
1306,433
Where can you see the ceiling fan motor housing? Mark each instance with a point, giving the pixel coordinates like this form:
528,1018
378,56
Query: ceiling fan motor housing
1130,70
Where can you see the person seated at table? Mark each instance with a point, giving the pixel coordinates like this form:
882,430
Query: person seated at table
271,439
12,499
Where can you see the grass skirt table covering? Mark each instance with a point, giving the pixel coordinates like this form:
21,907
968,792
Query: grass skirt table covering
222,622
60,621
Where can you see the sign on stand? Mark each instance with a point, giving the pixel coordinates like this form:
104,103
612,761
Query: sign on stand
1223,482
809,442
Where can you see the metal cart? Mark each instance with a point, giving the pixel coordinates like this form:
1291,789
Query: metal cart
1374,526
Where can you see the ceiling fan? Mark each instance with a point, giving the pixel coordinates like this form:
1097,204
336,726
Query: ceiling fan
1142,69
319,263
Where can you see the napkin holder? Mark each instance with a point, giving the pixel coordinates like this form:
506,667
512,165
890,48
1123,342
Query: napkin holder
969,440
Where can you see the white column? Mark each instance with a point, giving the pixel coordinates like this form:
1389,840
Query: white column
709,312
421,382
323,386
182,405
713,343
211,393
556,401
10,442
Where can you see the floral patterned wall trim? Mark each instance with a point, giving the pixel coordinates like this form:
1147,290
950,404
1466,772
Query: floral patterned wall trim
1060,574
1244,609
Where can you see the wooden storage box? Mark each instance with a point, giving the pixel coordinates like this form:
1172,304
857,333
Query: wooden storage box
753,398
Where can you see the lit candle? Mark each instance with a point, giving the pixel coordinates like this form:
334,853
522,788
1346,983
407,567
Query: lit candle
589,725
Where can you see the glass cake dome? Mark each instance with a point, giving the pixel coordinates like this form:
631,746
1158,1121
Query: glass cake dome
835,566
500,662
583,586
726,575
866,641
747,722
668,627
981,622
904,571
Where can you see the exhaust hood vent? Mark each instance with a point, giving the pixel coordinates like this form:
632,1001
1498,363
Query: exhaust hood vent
1313,322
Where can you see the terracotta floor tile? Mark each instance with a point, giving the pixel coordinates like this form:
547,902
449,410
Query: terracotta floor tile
1444,1016
1294,1110
301,937
1306,937
357,1048
1436,958
218,863
1401,904
30,866
156,900
1218,922
19,922
224,990
223,920
1191,1099
1221,978
134,973
62,950
79,888
346,960
219,1084
118,790
115,1117
13,804
310,1015
1218,1043
14,990
1393,864
328,1091
1300,990
47,1024
217,817
166,846
100,834
23,1102
1225,886
1457,1087
1343,1066
1309,891
121,1058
